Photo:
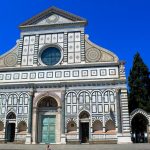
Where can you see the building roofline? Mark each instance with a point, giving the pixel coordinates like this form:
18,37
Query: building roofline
50,11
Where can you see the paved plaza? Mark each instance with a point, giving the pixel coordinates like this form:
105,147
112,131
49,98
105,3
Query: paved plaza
77,147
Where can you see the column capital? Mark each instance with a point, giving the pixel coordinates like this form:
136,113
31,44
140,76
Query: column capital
31,93
117,90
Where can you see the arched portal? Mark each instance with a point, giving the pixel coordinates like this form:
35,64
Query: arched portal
47,119
84,126
10,127
139,127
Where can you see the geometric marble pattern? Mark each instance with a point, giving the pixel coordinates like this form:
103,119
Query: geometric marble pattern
61,74
28,50
74,47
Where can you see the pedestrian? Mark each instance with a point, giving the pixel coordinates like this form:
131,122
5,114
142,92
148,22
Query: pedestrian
48,147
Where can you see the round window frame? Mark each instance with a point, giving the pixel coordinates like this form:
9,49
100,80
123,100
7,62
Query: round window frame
43,48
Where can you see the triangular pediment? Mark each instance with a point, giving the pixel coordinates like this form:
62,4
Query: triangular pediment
54,19
53,16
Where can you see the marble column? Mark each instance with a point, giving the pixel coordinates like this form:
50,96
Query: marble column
29,135
30,112
118,105
34,126
63,136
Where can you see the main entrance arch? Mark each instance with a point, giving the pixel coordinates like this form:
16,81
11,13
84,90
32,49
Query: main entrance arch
47,120
46,126
139,126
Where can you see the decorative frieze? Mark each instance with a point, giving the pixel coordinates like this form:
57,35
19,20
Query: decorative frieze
59,75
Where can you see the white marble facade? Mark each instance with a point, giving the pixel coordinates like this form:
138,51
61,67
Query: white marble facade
56,86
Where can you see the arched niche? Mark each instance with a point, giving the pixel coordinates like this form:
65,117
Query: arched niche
71,127
97,127
22,127
110,127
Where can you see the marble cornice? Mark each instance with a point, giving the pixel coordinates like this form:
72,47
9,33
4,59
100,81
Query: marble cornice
63,84
83,23
39,68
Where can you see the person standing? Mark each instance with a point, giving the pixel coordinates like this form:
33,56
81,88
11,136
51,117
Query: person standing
48,147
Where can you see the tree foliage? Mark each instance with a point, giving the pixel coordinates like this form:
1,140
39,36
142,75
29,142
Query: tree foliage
139,85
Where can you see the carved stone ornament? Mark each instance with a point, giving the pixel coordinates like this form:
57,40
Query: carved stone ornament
93,55
10,60
96,53
52,19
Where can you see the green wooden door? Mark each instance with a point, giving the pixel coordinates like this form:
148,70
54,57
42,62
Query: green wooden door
48,129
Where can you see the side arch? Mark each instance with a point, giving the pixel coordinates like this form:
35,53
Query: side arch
139,122
139,111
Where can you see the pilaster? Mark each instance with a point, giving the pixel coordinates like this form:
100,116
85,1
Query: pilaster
118,104
63,136
20,51
122,70
65,60
125,136
82,47
125,113
36,49
34,126
29,134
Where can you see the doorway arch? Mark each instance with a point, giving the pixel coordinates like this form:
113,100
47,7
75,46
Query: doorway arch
46,118
10,127
84,118
47,126
139,126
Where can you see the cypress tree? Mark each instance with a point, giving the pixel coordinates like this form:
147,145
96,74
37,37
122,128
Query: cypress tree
139,85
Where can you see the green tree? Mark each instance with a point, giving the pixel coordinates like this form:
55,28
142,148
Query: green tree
139,85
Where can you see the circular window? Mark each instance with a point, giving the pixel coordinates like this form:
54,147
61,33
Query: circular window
51,56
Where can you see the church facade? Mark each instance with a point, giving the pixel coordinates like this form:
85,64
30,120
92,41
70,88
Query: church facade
56,86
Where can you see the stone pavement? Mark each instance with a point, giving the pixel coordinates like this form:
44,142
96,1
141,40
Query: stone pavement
77,147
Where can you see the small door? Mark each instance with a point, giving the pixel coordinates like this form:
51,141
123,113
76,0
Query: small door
84,132
48,129
10,136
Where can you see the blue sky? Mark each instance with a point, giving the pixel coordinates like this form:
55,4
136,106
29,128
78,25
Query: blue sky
122,26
